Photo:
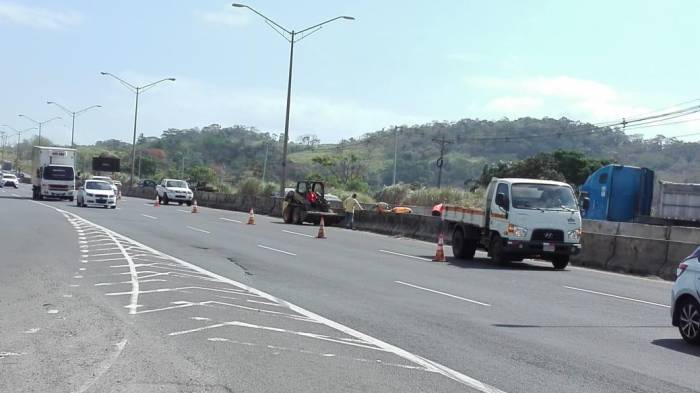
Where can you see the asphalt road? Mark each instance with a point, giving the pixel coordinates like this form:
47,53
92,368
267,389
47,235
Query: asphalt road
144,299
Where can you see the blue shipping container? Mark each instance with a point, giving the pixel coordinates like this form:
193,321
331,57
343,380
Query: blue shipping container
618,193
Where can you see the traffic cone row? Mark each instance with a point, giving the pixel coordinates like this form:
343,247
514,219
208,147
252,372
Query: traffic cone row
440,252
194,206
321,230
251,217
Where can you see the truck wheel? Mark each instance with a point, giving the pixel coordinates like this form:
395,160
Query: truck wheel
462,248
179,203
689,321
189,203
496,251
296,216
165,199
287,215
560,261
70,199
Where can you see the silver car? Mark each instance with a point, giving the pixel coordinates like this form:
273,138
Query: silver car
685,299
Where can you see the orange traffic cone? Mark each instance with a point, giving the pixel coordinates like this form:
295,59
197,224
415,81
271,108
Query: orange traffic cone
194,206
440,252
321,230
157,202
251,217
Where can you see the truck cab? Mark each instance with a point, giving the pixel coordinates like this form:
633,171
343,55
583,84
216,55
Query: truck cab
520,218
53,173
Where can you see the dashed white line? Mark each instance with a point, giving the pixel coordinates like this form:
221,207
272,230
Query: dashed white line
405,255
296,233
198,230
183,210
151,217
444,294
276,250
230,219
617,296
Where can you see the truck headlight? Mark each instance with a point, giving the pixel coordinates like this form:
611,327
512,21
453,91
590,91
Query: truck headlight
516,231
575,235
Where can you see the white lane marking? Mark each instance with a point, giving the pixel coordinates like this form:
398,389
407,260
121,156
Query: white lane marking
198,230
31,331
296,233
148,204
230,219
266,303
78,276
103,367
279,330
200,318
15,195
443,293
175,290
183,210
428,364
616,296
53,311
151,217
276,250
405,255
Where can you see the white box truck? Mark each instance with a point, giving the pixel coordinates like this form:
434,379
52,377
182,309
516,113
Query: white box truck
53,173
520,218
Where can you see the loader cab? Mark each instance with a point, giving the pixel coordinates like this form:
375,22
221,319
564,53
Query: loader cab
313,192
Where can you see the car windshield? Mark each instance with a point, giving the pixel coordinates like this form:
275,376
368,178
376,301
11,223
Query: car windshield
176,183
97,185
542,196
58,173
9,177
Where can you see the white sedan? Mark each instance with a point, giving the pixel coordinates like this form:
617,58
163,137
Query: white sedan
685,296
9,180
97,193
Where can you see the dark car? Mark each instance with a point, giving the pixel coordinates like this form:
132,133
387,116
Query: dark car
146,183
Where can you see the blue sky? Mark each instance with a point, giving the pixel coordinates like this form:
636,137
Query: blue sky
400,62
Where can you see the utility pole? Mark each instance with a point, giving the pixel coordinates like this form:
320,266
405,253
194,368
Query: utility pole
440,161
396,150
4,140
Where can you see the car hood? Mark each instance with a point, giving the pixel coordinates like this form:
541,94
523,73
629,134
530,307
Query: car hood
100,192
178,189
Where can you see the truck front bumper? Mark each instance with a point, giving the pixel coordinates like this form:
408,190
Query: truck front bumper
525,248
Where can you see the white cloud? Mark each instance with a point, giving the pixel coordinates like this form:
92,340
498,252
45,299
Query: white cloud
560,96
38,17
228,16
514,105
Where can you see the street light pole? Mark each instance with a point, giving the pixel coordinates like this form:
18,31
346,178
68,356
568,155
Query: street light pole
137,90
73,114
292,37
2,133
267,150
396,150
19,137
40,123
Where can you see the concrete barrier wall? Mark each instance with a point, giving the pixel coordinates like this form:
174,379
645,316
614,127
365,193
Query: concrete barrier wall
621,247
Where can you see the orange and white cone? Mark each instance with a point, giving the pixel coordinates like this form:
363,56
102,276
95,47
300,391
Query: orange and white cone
321,230
251,217
194,206
440,252
157,202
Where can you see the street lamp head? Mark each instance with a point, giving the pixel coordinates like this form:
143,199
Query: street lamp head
348,17
50,102
104,73
171,79
239,5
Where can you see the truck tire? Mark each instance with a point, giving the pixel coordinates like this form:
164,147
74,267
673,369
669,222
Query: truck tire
462,248
179,203
496,251
287,215
296,216
70,199
189,203
560,261
165,199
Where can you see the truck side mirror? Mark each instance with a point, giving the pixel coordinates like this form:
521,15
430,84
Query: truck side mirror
502,201
585,203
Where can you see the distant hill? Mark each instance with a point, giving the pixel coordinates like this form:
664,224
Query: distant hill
238,152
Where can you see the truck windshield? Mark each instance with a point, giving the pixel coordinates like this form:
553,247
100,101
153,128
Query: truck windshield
97,185
542,196
58,173
176,183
